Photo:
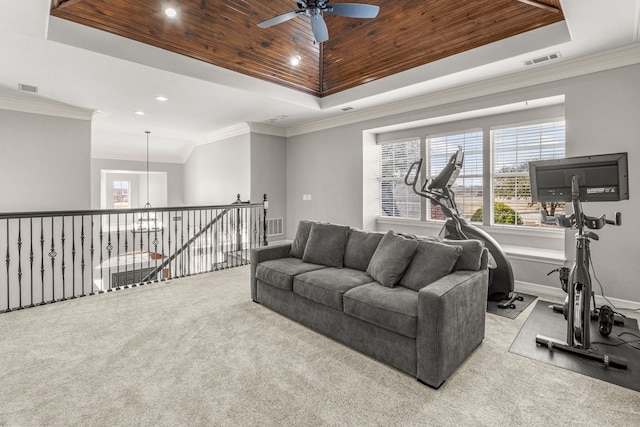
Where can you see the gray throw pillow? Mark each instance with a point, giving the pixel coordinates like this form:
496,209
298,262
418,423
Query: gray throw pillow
391,259
471,256
431,262
326,244
360,248
300,241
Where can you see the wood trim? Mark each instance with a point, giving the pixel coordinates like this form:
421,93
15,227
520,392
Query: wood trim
541,5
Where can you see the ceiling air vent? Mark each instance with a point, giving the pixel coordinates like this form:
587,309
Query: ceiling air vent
347,108
28,88
545,58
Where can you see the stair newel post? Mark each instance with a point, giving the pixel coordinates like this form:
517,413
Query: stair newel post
238,228
265,206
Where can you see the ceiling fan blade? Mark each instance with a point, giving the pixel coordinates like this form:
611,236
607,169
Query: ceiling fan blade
319,28
353,10
278,19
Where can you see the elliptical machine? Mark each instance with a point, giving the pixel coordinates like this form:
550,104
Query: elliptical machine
576,308
439,191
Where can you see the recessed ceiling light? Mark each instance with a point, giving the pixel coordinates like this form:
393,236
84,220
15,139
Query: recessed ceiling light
140,113
171,12
161,98
295,60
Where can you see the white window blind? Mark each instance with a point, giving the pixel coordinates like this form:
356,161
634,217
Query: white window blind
396,198
468,185
513,148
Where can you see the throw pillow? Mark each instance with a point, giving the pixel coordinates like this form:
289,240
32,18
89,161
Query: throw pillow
471,256
360,248
300,241
431,262
391,259
326,244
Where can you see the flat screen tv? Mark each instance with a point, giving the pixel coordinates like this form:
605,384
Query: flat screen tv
601,178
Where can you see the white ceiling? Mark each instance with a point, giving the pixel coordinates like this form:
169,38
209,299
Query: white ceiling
94,71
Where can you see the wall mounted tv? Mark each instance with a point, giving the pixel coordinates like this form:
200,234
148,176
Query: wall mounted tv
601,178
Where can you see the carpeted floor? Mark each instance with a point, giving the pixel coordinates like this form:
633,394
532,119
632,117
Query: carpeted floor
199,352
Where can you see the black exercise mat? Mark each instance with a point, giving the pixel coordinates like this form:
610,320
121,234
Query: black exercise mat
543,321
511,313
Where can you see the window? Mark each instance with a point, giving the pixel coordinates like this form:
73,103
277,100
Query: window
121,194
513,148
396,198
468,186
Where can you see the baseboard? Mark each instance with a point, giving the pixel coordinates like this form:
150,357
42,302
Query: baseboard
542,290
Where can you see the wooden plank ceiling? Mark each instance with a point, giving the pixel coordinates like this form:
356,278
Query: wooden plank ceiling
405,35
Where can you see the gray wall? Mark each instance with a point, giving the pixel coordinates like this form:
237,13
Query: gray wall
44,162
216,172
269,174
601,112
174,173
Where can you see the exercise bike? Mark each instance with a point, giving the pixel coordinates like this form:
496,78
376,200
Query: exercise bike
438,190
578,287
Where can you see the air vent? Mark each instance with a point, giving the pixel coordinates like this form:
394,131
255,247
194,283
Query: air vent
347,108
274,227
27,88
545,58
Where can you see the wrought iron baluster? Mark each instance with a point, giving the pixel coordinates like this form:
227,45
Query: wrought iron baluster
118,285
31,257
52,255
64,296
155,245
73,256
20,307
82,260
91,251
101,236
42,259
141,252
126,253
109,249
8,261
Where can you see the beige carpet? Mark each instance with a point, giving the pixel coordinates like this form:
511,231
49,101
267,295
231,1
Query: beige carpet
199,352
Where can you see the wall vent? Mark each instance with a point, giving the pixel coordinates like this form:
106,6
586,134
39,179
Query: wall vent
28,88
274,227
544,58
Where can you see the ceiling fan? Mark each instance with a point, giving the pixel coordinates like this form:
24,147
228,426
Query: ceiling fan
315,9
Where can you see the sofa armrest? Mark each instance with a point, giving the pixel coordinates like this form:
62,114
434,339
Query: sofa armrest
265,253
451,323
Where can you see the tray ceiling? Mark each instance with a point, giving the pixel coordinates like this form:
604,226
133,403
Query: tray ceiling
405,34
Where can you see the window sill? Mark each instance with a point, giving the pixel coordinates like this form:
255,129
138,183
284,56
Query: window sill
525,253
531,252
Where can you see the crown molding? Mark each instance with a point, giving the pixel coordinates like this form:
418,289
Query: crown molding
267,129
44,108
616,58
225,133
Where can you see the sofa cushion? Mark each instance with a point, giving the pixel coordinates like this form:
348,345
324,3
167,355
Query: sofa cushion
300,241
360,248
471,256
391,258
327,286
280,272
395,309
326,244
432,261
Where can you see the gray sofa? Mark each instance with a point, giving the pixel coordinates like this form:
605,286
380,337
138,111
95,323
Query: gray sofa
415,303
